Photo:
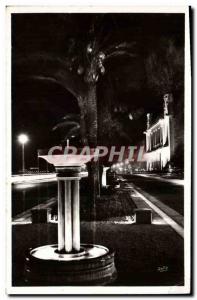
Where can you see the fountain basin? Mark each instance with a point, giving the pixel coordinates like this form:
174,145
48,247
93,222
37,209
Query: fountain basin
44,266
67,160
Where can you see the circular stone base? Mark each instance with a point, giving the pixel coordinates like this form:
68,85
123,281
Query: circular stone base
93,266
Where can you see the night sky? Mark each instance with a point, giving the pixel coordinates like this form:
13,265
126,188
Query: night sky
38,105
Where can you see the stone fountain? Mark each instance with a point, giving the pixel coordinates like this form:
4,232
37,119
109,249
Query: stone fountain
69,262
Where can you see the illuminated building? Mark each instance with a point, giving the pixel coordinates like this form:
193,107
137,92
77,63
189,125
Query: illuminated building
160,138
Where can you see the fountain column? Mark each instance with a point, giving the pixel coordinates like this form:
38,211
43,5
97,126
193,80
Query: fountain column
61,217
68,210
76,216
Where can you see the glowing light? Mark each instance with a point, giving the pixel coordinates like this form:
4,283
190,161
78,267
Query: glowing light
24,186
102,70
80,70
101,55
89,49
23,138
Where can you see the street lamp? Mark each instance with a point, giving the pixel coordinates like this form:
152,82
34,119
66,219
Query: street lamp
23,139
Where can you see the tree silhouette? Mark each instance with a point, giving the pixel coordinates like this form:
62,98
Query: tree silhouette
165,67
78,70
165,74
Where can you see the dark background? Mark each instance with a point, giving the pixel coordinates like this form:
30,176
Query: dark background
38,105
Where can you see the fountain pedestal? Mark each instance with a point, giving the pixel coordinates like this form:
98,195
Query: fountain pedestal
68,209
69,262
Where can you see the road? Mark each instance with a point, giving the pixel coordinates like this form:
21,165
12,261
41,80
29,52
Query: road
32,190
169,192
26,195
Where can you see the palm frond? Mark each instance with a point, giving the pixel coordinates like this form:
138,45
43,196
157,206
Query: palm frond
123,46
73,131
72,117
65,125
120,53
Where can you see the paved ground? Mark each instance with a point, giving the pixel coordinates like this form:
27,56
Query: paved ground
145,254
169,193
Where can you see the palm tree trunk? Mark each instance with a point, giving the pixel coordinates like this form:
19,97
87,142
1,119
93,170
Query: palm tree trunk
92,128
83,113
92,118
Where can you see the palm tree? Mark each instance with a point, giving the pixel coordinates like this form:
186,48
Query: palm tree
69,127
78,71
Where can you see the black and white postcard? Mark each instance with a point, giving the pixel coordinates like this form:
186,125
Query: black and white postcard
98,150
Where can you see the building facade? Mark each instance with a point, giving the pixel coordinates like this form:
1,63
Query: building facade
160,138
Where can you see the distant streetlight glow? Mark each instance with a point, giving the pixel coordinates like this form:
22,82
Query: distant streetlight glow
23,139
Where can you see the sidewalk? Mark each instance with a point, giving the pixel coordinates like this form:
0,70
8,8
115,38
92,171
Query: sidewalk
166,209
170,194
145,254
25,217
